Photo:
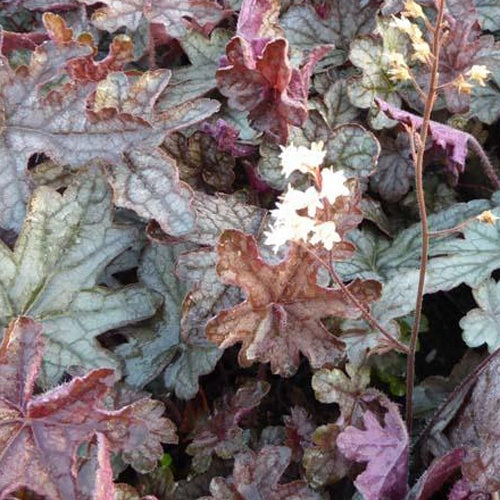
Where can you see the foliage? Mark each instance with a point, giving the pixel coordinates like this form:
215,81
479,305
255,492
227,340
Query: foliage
210,210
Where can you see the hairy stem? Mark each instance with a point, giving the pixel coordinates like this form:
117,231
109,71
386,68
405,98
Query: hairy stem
419,166
369,318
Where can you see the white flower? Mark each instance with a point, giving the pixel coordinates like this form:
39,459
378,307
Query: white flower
398,70
332,185
300,158
296,200
288,226
326,234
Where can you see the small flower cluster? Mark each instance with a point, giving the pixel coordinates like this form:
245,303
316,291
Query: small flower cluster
296,216
399,70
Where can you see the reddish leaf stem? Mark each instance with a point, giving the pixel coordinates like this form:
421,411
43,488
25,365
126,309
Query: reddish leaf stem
419,163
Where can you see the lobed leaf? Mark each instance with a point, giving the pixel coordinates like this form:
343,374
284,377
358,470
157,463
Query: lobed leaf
383,446
52,274
40,434
281,314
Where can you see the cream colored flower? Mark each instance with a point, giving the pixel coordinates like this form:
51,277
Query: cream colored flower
412,10
295,199
326,234
406,26
398,70
462,85
332,185
421,52
300,158
488,217
289,226
479,73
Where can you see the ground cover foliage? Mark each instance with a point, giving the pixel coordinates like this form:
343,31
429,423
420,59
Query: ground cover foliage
162,335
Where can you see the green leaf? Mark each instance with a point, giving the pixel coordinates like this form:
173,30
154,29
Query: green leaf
51,275
334,104
485,103
488,12
482,325
195,80
353,149
468,260
379,258
149,349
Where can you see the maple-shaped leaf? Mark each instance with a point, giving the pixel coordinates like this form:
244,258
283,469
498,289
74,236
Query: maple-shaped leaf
334,386
172,14
220,433
257,475
67,126
261,80
452,142
53,270
40,435
281,316
383,446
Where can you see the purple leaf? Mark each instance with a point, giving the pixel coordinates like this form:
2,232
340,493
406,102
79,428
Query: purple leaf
384,448
452,142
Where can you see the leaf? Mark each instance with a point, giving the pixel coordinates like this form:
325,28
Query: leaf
353,149
147,182
172,14
149,350
299,429
476,428
395,169
281,316
349,147
334,386
468,260
379,258
174,342
220,433
480,326
367,54
258,19
384,448
195,80
334,104
433,479
40,434
488,12
340,23
201,164
452,142
264,83
257,475
51,274
323,462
